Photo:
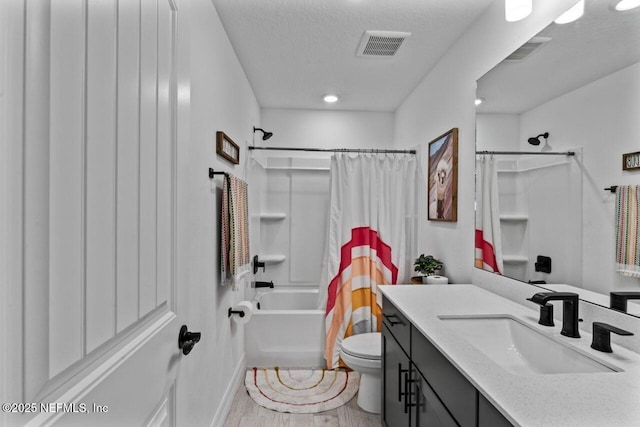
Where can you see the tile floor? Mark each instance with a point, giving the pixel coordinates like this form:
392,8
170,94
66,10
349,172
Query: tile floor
247,413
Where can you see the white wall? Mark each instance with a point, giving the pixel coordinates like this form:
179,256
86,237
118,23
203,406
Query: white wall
303,195
497,131
327,128
601,117
221,99
445,99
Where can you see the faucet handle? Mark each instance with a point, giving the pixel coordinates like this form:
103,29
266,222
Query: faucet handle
546,313
602,336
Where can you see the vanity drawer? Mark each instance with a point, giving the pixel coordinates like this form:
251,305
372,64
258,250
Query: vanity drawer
397,323
453,389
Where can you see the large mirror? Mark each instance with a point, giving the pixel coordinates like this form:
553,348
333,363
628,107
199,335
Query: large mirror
574,88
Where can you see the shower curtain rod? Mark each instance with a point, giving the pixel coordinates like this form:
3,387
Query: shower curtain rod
548,153
336,150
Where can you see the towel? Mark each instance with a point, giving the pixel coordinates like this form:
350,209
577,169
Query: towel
627,250
234,247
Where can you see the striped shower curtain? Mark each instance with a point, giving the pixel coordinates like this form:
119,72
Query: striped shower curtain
371,231
488,240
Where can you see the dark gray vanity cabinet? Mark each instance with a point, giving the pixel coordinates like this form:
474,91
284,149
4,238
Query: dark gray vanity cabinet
395,367
426,408
489,416
421,387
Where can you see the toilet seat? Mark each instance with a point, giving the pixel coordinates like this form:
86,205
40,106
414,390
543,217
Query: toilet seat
365,346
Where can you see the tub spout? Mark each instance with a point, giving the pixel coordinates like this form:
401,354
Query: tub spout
263,284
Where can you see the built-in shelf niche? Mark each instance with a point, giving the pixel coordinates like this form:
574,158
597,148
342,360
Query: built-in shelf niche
272,216
514,218
515,259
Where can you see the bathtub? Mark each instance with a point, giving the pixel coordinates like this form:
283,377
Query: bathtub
287,330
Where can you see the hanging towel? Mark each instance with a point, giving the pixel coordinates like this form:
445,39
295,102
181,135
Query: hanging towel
627,251
370,232
234,245
488,240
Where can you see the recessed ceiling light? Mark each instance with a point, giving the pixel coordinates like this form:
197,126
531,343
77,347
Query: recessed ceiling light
515,10
575,12
623,5
330,98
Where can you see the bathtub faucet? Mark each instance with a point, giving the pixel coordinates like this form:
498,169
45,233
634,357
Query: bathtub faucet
263,284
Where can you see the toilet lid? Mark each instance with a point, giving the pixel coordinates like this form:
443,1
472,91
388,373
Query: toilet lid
366,346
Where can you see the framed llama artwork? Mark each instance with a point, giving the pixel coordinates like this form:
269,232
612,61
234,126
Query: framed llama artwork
443,177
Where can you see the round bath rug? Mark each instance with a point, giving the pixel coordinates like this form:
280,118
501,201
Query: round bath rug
301,391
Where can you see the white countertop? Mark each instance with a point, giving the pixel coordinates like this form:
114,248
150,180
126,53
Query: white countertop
563,400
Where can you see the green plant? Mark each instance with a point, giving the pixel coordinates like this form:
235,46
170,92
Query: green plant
427,265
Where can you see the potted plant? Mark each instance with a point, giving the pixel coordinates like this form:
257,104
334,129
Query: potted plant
428,266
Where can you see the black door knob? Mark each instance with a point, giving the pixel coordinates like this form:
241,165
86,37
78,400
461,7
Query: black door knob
186,339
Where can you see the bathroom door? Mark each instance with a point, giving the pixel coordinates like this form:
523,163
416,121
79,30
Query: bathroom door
92,212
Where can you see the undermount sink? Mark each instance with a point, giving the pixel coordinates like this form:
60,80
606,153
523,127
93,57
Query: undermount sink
520,349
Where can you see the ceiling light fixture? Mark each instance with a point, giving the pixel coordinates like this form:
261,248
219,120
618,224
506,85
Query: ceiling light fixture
515,10
479,101
330,98
623,5
574,13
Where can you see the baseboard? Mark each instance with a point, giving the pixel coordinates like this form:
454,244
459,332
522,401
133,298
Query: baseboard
237,379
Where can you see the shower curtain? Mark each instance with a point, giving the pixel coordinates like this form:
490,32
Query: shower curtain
371,238
488,241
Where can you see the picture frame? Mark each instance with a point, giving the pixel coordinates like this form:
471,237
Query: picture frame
225,147
442,186
631,161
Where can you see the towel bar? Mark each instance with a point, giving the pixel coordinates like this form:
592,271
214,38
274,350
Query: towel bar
212,173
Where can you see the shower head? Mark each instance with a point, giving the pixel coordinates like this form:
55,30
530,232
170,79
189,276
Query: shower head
536,140
265,135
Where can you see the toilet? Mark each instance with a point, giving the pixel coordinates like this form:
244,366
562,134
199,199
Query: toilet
363,353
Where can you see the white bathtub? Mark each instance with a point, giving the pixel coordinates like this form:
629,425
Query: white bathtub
287,330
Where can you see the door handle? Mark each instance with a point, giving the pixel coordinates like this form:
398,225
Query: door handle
186,339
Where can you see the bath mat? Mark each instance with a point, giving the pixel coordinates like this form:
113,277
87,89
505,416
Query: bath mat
301,391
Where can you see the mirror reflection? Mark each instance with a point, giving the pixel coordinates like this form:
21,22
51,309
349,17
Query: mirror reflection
573,88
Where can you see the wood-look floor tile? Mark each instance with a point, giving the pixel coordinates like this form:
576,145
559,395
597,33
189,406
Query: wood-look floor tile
247,413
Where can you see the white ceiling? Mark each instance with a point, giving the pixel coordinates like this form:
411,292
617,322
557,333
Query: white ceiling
295,51
601,42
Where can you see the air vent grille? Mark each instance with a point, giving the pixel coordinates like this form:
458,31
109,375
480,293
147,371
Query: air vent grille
381,43
527,49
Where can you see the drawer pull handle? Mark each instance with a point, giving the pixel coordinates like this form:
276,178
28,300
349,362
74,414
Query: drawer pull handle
389,318
408,380
400,372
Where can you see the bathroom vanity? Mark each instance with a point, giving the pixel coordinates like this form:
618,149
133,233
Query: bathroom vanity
443,365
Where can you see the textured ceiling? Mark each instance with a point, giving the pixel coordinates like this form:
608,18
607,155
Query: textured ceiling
601,42
294,51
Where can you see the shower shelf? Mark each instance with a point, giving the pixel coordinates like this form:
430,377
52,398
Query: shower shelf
514,218
273,216
272,259
515,259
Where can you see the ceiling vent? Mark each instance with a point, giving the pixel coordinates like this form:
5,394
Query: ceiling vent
381,43
527,49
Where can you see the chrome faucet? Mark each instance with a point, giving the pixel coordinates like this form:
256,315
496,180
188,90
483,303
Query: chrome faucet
569,310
